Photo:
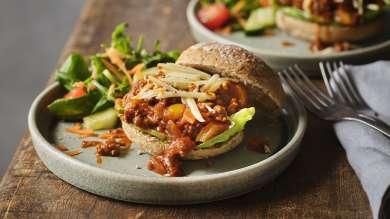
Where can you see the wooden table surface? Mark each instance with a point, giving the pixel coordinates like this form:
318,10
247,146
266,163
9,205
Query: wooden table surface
319,184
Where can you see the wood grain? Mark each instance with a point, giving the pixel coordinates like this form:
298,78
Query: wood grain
319,184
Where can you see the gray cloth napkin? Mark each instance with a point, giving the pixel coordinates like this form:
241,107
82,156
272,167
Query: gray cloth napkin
368,151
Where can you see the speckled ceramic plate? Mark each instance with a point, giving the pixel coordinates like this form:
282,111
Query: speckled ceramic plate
231,174
271,49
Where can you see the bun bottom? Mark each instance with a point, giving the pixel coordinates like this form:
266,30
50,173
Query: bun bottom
152,145
327,33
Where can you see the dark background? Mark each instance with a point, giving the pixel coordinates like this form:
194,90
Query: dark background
32,35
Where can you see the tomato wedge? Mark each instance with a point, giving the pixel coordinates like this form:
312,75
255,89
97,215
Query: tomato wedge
187,116
211,130
75,93
213,16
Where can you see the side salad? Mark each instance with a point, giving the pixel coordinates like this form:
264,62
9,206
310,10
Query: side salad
93,84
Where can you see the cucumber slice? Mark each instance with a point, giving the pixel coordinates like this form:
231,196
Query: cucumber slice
101,120
260,19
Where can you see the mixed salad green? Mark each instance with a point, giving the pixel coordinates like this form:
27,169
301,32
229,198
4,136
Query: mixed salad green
94,83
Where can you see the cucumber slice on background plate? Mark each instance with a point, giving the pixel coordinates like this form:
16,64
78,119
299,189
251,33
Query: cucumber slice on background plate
101,120
260,19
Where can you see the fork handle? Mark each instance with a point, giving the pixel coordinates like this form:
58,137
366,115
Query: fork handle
372,122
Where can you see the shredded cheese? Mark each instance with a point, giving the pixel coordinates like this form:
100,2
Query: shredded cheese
180,81
190,102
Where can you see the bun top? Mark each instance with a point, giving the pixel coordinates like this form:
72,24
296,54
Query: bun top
263,85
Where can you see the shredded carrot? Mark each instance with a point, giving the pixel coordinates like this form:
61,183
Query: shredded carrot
237,7
73,153
76,129
76,126
119,136
135,70
106,136
116,133
116,58
61,147
87,144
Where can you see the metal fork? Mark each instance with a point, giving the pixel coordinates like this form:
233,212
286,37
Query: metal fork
324,106
342,88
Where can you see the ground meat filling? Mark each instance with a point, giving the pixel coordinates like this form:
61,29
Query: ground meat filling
168,164
174,119
115,140
162,116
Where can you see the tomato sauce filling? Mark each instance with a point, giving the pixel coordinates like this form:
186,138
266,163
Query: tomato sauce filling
174,120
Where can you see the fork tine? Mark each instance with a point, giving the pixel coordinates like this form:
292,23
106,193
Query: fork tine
305,87
312,86
305,99
326,80
330,73
358,100
343,91
312,107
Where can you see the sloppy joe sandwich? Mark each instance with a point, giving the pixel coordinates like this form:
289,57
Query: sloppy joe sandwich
198,107
332,21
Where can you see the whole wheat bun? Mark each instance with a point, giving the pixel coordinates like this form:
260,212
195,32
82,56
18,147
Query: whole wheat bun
152,145
262,84
327,33
229,61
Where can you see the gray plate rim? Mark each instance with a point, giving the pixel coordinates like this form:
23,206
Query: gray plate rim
195,24
33,128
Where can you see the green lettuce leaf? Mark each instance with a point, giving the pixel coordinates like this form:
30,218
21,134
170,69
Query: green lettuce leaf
75,108
99,68
74,69
238,119
120,41
103,104
371,15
